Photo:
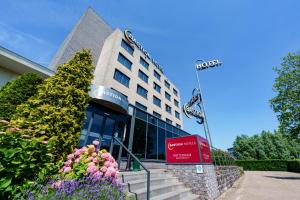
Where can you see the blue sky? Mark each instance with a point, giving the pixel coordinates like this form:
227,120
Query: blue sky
250,37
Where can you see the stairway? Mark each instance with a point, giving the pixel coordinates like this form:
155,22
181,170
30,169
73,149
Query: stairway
163,186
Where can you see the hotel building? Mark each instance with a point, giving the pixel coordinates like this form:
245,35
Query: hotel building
130,93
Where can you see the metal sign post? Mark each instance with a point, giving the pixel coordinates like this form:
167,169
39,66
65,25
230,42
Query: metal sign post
201,65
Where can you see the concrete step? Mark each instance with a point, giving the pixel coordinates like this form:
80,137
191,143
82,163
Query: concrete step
142,183
158,190
133,176
184,193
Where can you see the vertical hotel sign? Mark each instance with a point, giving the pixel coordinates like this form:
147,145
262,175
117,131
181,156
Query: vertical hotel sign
189,149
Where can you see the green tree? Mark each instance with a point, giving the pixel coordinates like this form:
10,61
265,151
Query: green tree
16,92
265,146
58,107
287,101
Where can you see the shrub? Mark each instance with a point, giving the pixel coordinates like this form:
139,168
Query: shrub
21,159
87,174
293,165
270,165
58,108
90,161
16,92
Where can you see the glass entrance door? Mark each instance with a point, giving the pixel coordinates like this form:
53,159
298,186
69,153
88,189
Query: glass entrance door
98,127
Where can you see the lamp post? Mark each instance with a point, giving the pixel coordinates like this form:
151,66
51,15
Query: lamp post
201,65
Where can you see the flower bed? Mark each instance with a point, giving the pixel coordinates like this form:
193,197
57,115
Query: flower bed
89,173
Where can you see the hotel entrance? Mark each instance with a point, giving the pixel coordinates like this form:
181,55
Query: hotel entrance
105,116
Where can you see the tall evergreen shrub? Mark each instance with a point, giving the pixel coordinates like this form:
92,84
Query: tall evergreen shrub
16,92
58,107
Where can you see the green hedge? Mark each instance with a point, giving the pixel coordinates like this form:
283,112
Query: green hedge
270,165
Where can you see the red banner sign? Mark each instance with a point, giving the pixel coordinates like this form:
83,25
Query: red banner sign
188,149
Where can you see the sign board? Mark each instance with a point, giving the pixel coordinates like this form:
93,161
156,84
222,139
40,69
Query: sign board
199,169
188,150
107,95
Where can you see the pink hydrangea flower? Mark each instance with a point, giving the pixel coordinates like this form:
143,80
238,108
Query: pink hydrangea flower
107,163
95,160
77,152
107,174
90,158
94,154
70,156
96,142
105,156
67,169
92,169
77,160
91,164
103,169
68,163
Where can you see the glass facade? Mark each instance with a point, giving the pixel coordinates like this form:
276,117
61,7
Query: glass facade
149,136
148,131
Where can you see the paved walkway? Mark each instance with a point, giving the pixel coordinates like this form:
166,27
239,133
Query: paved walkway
256,185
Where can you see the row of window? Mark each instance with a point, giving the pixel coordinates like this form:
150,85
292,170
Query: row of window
127,63
123,79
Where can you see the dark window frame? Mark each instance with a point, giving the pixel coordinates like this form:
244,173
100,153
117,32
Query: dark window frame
127,47
144,77
142,91
123,60
156,98
117,75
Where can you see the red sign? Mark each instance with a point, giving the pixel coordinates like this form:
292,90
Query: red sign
188,149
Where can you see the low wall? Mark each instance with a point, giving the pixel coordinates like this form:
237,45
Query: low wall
226,176
209,184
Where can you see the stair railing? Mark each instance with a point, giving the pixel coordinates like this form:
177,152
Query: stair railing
115,139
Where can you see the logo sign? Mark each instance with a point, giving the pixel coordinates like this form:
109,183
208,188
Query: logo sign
199,169
187,150
129,37
108,95
205,65
188,107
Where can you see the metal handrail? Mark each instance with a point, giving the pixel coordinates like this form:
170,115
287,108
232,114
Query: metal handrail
135,158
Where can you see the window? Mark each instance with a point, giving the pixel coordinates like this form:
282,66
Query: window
168,109
124,61
178,126
176,103
143,76
167,84
140,106
127,47
177,115
120,92
175,92
156,87
156,101
168,96
142,91
168,121
122,78
144,63
157,75
156,114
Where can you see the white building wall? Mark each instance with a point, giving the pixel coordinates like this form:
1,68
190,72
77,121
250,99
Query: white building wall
105,70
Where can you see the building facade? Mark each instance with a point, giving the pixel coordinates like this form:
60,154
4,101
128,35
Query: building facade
130,97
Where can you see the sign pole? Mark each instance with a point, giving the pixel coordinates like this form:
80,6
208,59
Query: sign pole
201,102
